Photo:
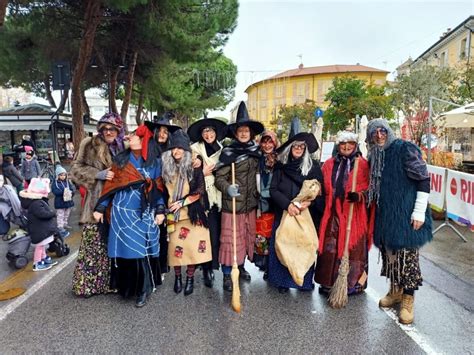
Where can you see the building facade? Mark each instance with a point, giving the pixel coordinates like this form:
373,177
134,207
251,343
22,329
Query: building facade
295,86
453,49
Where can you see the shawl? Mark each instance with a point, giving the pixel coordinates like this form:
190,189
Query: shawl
197,208
213,194
129,176
237,152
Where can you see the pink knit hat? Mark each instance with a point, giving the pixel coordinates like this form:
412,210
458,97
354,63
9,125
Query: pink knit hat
37,189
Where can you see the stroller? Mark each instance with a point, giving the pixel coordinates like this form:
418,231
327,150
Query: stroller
18,240
58,245
18,245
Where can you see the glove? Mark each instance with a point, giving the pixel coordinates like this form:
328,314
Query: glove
101,175
353,197
233,190
421,203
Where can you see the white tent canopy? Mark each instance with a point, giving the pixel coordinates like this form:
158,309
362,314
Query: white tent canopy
461,117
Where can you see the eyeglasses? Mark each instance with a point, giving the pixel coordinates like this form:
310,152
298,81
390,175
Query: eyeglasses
109,129
299,146
382,131
348,143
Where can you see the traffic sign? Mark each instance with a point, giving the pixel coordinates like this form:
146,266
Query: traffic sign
318,112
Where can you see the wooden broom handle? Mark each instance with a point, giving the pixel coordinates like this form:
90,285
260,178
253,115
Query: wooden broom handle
234,218
351,208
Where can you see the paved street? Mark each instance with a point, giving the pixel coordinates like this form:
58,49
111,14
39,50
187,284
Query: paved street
49,318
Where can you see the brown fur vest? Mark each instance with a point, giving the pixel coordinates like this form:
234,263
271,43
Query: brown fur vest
93,156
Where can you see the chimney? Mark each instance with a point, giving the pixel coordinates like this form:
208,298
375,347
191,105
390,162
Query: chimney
300,66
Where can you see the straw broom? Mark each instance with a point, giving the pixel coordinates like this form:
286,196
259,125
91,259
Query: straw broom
235,269
338,295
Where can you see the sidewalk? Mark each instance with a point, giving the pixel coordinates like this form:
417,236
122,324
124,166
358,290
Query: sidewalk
451,253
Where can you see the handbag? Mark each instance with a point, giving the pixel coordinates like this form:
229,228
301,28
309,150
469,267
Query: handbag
67,194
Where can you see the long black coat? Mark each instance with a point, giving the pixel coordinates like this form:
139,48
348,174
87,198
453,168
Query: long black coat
41,219
283,189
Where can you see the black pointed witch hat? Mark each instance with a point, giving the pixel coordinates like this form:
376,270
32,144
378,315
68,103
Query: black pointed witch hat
179,139
243,119
297,136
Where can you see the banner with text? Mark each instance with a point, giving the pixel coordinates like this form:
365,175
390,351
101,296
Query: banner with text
438,187
460,197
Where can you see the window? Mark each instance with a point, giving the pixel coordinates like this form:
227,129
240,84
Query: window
463,49
443,59
278,90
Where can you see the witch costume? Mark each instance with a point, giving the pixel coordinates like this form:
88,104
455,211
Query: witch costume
155,126
266,212
338,176
398,194
209,153
246,156
288,178
89,169
132,199
189,241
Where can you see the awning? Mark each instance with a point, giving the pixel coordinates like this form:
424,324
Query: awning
24,125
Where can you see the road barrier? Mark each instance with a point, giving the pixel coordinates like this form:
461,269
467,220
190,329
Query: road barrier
452,191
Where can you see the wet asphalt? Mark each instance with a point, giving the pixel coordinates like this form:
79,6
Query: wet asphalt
51,319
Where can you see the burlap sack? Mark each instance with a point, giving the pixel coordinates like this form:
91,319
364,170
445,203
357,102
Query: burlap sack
296,239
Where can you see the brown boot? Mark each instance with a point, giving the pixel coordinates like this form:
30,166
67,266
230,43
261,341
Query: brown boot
407,312
392,298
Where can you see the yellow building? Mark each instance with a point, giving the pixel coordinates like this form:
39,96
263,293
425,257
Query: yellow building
295,86
454,48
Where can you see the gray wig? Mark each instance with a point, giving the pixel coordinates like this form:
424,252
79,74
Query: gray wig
170,168
306,163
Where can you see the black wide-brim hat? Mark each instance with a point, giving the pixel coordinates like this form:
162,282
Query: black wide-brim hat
308,138
195,130
152,126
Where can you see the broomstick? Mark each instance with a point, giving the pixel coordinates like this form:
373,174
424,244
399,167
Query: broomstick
338,296
235,269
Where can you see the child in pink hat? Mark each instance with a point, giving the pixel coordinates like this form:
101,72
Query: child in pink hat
41,221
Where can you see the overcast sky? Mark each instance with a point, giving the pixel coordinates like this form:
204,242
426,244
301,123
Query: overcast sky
271,34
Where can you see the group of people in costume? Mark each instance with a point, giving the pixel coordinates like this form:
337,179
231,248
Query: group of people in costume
169,198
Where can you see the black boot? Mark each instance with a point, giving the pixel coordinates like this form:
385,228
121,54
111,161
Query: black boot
141,300
208,278
178,284
227,283
244,274
189,288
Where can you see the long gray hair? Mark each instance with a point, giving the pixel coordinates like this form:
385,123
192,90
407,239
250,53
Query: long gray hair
170,168
376,156
306,163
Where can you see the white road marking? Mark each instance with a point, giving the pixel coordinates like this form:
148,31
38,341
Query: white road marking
11,307
409,330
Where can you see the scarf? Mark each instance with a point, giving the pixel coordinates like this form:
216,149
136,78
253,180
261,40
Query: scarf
213,194
266,164
293,171
237,152
340,174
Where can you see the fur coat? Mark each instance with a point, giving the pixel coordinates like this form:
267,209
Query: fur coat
92,157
